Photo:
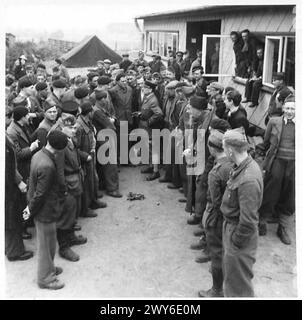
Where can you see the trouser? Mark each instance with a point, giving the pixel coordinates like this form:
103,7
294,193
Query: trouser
46,243
89,193
201,188
238,264
111,178
183,176
279,192
67,219
252,90
214,246
14,245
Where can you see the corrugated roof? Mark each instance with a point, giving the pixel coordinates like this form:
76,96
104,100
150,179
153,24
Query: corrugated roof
206,9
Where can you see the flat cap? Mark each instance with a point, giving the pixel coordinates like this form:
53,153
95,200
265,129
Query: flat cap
107,61
69,106
49,103
119,76
220,125
57,139
125,55
150,84
172,84
69,120
283,94
216,86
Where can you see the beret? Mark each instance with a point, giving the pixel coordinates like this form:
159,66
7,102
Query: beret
41,86
198,68
81,92
290,98
99,94
150,84
125,55
220,125
188,90
19,112
119,76
156,75
104,80
57,139
278,75
179,52
20,101
29,67
86,107
59,61
49,103
107,61
172,84
42,66
79,80
215,139
216,86
43,95
25,82
59,83
198,102
69,106
283,93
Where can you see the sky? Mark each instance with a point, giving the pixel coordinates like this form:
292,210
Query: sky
76,17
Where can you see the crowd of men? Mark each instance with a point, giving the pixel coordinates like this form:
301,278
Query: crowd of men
53,176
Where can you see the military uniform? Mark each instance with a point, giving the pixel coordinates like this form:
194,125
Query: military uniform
240,204
213,218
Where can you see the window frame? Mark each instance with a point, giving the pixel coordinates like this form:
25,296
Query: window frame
161,35
204,54
280,63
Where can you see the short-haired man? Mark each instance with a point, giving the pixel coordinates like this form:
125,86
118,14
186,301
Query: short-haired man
125,63
279,167
44,207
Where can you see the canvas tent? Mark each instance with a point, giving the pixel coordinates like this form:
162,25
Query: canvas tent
88,52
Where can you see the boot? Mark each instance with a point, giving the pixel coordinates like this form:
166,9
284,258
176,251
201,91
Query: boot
203,257
147,170
216,290
153,176
262,229
68,254
282,233
199,232
201,244
194,219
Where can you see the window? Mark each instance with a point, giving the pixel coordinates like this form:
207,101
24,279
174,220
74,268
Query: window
279,56
216,57
162,42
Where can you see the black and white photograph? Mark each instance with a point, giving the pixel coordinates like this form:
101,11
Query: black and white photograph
149,150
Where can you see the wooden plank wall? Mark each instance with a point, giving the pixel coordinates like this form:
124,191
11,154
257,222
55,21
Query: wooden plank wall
266,21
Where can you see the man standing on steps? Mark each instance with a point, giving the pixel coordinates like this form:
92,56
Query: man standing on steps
44,206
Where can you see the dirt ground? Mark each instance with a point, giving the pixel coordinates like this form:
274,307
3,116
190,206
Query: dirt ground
141,249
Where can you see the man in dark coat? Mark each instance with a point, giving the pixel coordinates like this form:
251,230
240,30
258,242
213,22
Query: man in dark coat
86,143
240,68
44,206
254,84
103,119
279,84
213,218
71,183
279,167
14,186
240,204
125,63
